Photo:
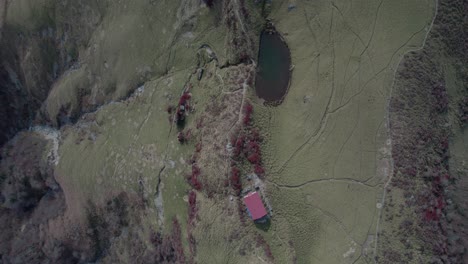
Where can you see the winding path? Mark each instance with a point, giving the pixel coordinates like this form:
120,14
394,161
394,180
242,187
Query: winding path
387,183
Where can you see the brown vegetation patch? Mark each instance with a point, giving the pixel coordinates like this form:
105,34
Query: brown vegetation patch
212,160
420,137
37,227
240,40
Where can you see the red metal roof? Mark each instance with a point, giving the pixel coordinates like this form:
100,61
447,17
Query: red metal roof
255,205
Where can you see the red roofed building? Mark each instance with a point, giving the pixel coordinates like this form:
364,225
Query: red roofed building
255,206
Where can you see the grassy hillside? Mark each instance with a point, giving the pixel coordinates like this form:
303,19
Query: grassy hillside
327,151
134,185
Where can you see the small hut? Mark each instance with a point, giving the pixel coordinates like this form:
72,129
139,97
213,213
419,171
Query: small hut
255,207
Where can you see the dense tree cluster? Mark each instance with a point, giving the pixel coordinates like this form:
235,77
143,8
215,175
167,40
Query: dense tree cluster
419,114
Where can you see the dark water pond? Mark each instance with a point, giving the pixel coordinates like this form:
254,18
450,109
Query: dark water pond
274,62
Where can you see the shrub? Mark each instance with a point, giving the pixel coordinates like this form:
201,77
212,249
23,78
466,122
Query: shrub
155,238
236,180
198,147
441,98
259,170
253,146
255,135
192,206
169,109
184,98
181,137
248,109
254,158
463,111
192,243
239,146
262,243
246,121
177,241
194,182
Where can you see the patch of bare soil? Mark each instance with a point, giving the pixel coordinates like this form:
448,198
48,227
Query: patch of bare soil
426,224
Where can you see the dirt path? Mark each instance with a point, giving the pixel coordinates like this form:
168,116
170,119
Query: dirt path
390,172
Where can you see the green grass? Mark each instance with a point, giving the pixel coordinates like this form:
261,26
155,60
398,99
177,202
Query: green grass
323,147
28,15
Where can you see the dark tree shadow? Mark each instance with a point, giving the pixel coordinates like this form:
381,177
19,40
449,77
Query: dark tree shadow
265,226
180,124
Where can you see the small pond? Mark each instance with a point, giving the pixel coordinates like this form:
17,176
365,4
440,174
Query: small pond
274,62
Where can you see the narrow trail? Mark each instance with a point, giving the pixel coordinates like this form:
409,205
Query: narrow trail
387,183
341,180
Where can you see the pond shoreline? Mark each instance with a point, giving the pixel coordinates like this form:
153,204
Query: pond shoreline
273,78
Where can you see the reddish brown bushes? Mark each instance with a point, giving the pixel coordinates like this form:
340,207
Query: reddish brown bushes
420,153
194,182
183,137
198,147
441,98
183,100
183,106
253,153
247,144
177,241
253,146
238,146
262,243
192,215
168,249
192,247
248,109
241,211
192,206
259,170
254,158
236,180
463,111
